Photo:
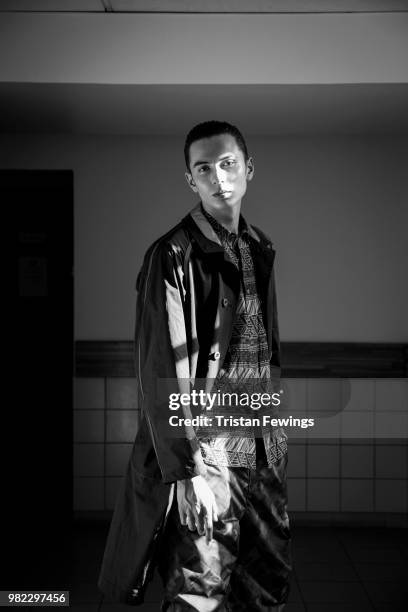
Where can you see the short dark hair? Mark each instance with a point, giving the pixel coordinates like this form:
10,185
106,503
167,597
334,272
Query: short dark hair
213,128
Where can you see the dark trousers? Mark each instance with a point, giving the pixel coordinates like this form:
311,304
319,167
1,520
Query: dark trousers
247,565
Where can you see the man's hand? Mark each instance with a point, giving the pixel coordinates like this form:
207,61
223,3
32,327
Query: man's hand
197,506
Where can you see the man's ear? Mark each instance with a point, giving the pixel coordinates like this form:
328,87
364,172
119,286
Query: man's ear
250,169
190,181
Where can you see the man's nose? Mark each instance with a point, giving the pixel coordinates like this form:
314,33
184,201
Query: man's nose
218,176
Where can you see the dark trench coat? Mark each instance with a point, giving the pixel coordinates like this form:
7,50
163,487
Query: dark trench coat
187,295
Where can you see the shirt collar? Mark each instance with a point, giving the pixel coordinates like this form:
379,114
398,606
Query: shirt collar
222,231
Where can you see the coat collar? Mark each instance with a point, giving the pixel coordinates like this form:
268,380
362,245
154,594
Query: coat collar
208,239
222,231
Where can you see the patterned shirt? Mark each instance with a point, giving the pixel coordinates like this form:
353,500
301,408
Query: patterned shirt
246,361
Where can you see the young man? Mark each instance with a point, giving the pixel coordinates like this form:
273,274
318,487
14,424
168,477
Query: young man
213,500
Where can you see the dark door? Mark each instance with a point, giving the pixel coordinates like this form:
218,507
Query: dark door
36,470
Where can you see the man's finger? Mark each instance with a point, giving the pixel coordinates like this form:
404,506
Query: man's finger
199,519
182,515
208,528
201,529
183,519
191,520
201,524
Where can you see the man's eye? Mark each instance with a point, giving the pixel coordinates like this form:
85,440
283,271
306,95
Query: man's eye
229,162
202,169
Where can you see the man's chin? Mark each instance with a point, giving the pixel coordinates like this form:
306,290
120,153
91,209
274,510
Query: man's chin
222,203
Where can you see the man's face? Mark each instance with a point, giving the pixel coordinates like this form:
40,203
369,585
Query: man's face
218,172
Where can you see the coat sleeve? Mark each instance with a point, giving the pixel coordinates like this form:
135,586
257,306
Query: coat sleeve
161,360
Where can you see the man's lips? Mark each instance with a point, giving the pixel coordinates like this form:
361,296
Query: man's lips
221,193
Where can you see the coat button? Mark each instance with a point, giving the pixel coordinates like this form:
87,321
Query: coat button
225,302
214,356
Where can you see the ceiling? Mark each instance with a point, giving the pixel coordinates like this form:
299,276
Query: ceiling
205,6
172,109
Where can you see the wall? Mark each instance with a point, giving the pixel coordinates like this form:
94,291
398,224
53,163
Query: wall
335,208
364,479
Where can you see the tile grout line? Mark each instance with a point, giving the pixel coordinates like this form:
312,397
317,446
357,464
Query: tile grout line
306,447
105,428
341,445
304,602
360,581
374,446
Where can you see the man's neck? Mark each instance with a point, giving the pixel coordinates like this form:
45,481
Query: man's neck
228,218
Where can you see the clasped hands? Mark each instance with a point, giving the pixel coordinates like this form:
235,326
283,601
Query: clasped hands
197,506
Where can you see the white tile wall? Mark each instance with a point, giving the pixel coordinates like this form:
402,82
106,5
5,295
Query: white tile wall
88,460
358,394
324,396
357,416
88,493
357,461
391,394
121,425
323,494
323,460
391,424
89,393
391,495
359,425
391,461
326,429
296,494
357,495
297,461
111,490
117,456
121,393
89,426
294,396
351,473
